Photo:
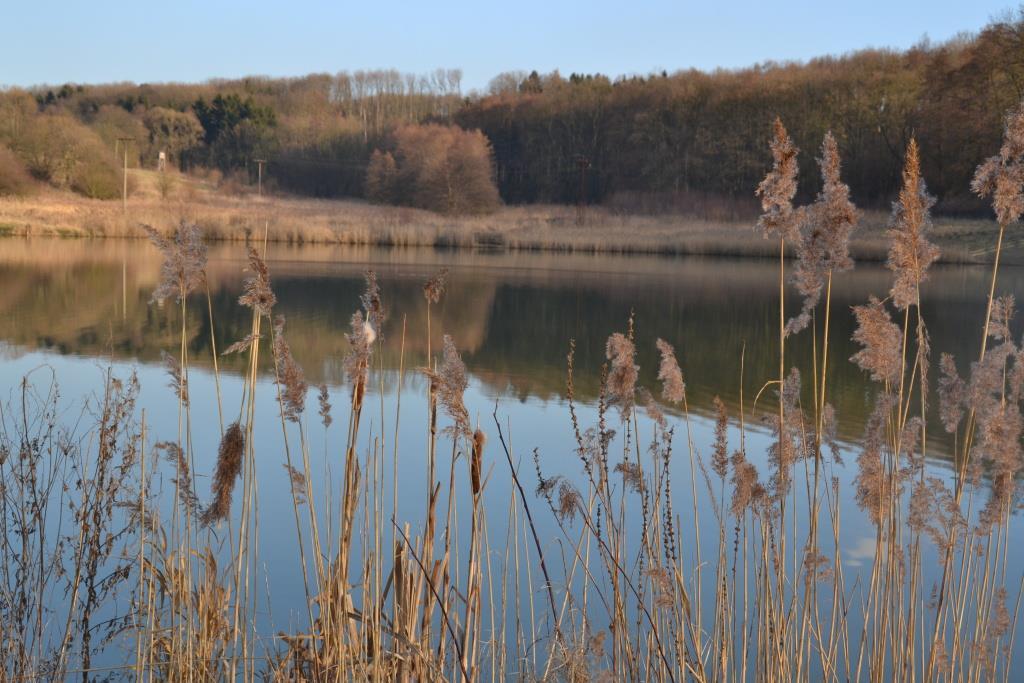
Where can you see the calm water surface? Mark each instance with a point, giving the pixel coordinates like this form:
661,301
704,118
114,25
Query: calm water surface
70,309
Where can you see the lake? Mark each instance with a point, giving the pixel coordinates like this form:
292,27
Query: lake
70,309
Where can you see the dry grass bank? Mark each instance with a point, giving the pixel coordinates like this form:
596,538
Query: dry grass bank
550,228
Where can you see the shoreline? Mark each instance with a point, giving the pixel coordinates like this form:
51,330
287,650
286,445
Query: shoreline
532,228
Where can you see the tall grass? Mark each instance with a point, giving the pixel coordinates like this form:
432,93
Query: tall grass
639,583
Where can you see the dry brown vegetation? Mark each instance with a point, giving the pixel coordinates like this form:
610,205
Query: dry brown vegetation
549,228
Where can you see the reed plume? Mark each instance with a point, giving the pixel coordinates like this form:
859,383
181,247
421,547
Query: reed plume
290,377
241,346
256,292
622,374
824,246
952,393
652,408
297,481
880,338
183,477
184,264
878,482
372,304
1002,176
229,467
993,395
910,251
357,360
451,382
780,219
673,389
324,411
179,380
791,437
748,491
433,289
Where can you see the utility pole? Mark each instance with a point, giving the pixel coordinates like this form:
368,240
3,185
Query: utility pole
259,175
584,163
124,188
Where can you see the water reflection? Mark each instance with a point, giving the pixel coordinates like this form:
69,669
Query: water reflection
74,305
512,315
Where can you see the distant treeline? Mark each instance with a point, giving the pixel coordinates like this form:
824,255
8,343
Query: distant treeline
689,141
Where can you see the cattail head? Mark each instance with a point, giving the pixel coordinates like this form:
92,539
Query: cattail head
778,188
911,253
880,338
825,240
720,456
1002,176
433,289
229,466
290,377
256,293
184,264
623,372
476,460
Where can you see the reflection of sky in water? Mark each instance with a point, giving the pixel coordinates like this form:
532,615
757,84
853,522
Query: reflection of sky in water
529,424
513,325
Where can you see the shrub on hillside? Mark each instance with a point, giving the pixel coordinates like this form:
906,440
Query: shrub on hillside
440,168
68,155
14,179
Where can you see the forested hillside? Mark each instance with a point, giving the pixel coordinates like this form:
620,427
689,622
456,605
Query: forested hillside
688,141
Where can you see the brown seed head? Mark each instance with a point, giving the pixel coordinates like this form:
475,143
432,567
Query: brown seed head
720,456
911,253
184,264
673,389
880,338
778,188
622,375
433,289
825,235
1002,176
229,466
256,292
290,377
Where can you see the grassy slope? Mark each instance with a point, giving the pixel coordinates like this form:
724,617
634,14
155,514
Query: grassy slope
285,219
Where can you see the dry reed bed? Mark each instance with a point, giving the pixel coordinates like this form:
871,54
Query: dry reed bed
532,228
634,593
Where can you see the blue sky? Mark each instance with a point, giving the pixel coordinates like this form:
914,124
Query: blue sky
184,40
